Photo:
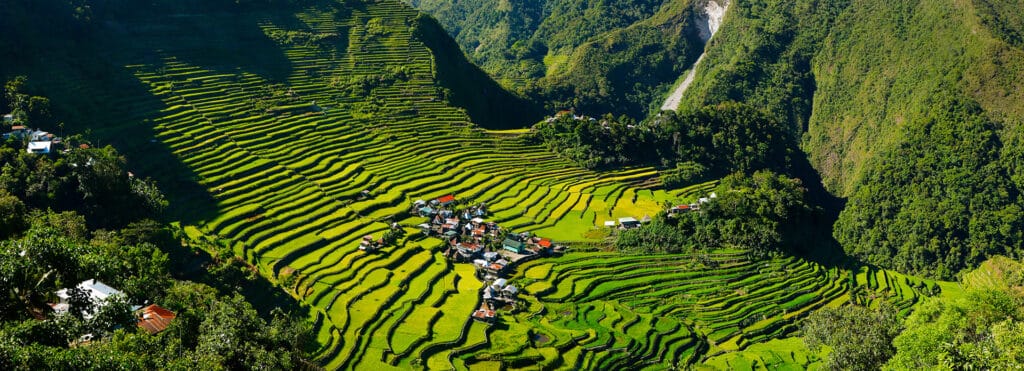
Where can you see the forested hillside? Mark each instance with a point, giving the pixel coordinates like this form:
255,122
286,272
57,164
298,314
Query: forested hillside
591,55
909,110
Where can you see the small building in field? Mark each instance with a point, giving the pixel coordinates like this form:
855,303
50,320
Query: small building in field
628,222
9,118
427,211
679,209
609,223
485,315
154,318
509,292
369,245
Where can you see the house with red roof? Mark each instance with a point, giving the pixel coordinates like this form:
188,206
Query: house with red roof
445,200
155,318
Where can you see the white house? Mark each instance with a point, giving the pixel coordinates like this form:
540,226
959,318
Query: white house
629,222
39,148
9,118
98,292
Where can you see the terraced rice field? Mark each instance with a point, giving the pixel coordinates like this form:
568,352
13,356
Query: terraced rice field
282,142
286,176
610,311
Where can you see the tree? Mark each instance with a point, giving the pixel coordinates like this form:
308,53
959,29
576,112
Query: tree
12,215
860,338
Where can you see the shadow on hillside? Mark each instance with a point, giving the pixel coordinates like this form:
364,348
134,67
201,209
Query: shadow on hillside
223,42
817,243
84,73
488,104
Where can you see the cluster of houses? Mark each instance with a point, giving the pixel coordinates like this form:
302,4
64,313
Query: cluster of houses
491,249
685,208
496,295
152,318
369,244
565,113
38,141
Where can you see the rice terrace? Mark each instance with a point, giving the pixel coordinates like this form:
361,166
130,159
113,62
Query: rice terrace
335,148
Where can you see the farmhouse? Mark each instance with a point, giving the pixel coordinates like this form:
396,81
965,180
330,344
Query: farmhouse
445,200
39,148
704,200
485,315
368,244
628,222
500,293
97,292
154,318
427,211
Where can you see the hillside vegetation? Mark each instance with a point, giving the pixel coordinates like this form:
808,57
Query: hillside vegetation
594,56
909,109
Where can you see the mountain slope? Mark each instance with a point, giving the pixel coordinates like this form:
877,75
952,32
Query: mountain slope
595,56
911,109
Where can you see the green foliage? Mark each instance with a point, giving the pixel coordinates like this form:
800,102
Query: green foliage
760,213
209,332
362,85
48,258
923,143
12,215
684,173
614,56
305,38
938,204
969,332
93,181
860,338
711,141
26,109
1004,18
391,236
980,330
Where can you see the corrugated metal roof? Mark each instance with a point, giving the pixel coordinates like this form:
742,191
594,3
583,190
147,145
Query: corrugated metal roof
154,318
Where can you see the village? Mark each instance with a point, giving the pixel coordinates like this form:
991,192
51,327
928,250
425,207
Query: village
36,141
491,249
